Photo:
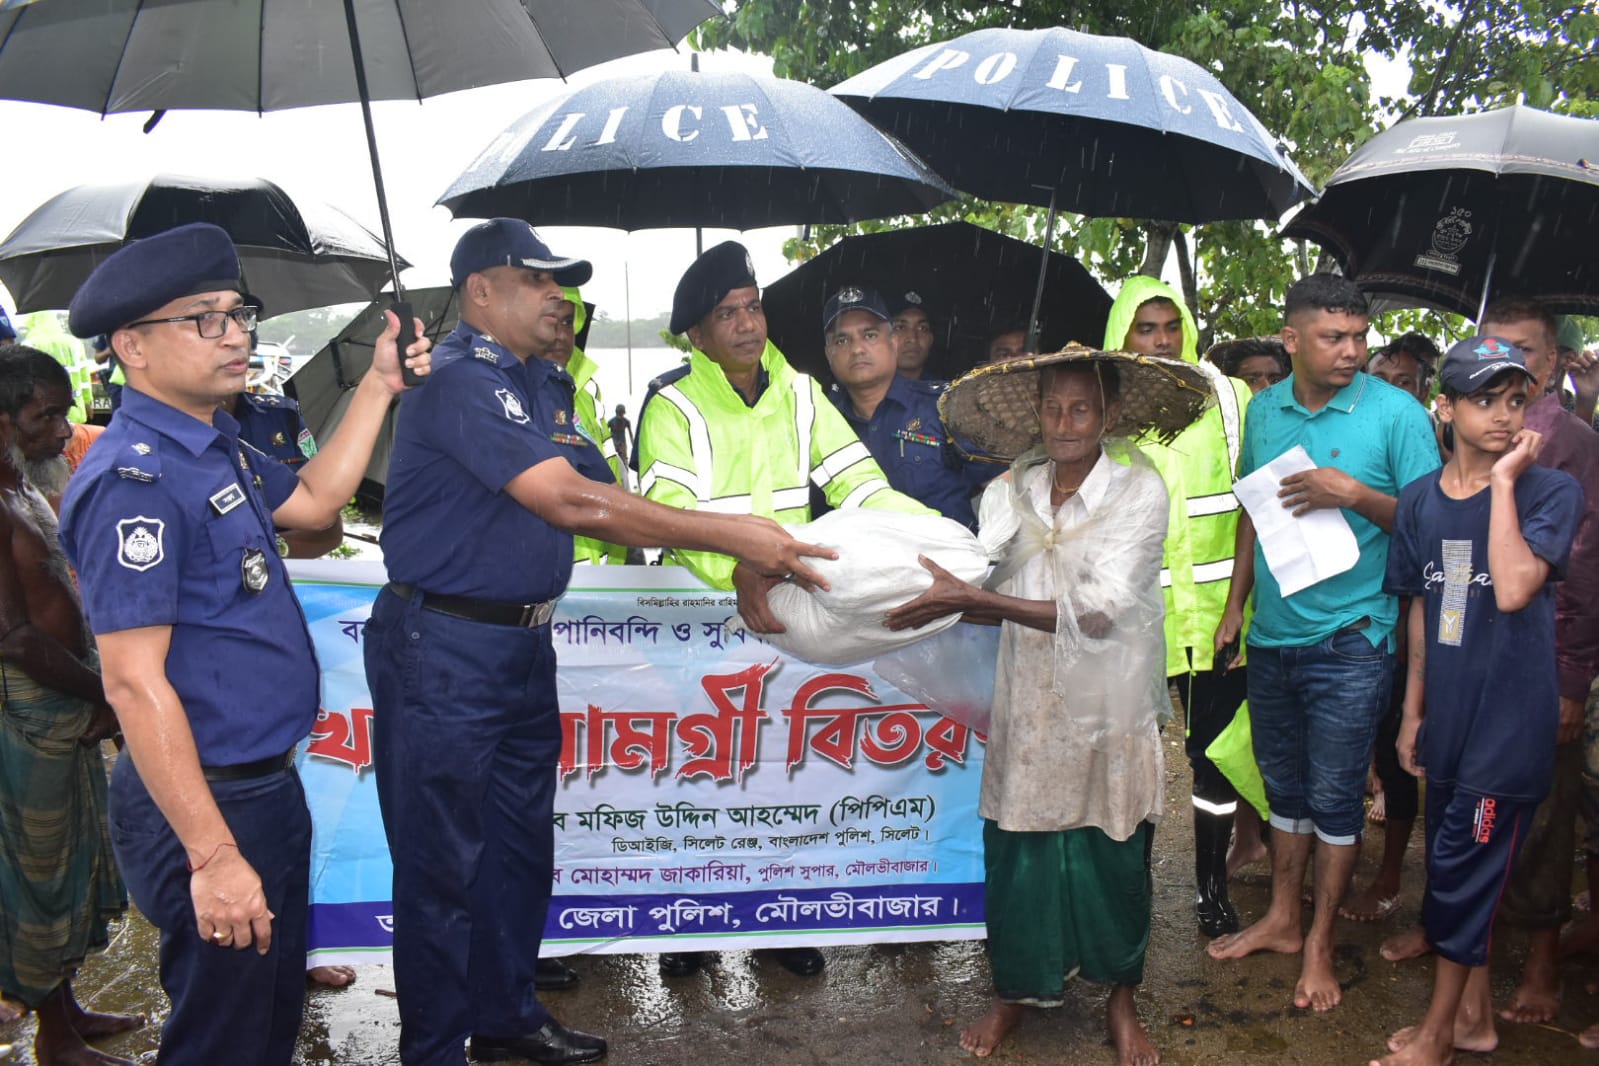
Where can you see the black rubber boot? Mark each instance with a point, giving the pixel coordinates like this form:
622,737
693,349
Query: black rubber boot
1211,835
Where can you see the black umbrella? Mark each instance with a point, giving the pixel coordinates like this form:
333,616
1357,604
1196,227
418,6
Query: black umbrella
971,281
1449,212
683,148
263,55
1098,125
294,255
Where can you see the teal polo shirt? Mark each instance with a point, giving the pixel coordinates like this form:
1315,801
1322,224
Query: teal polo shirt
1381,437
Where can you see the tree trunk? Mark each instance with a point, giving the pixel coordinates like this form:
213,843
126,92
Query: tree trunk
1185,272
1157,246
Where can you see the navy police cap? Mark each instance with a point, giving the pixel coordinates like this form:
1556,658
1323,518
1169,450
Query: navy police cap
707,282
8,332
512,242
1476,361
140,277
852,298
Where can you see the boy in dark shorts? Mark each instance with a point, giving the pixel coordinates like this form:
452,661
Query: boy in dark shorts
1478,547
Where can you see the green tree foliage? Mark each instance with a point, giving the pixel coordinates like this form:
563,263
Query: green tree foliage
1299,66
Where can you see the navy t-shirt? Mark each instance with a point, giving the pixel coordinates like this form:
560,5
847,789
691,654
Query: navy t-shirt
1492,694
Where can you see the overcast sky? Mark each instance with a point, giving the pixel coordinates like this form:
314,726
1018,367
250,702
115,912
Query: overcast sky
321,152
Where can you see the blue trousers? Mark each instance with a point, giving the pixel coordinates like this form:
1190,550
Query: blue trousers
466,738
228,1005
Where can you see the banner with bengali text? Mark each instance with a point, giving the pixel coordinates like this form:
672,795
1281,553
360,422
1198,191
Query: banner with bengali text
713,792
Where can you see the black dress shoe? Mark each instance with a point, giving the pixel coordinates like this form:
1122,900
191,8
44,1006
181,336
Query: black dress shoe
553,975
802,962
681,963
553,1043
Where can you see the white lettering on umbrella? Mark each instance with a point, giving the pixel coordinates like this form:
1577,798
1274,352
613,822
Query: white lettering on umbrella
744,122
995,68
1118,82
948,59
672,122
612,123
1218,108
1168,88
560,141
1064,65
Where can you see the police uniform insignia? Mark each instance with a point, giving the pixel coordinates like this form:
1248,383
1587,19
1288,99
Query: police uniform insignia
142,448
279,438
914,424
512,406
133,473
307,443
244,464
913,298
485,353
253,570
749,265
139,545
560,418
225,500
850,296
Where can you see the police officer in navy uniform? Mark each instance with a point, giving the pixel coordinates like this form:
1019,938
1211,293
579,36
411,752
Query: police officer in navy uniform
897,418
481,503
169,522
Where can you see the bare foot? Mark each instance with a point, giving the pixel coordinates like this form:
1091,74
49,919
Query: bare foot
10,1012
100,1026
1133,1047
80,1054
1411,944
331,976
1589,1038
1415,1046
1536,1000
1580,938
1258,937
985,1034
1374,903
1244,853
1378,814
1318,987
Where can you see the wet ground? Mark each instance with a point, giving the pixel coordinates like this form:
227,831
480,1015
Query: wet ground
904,1004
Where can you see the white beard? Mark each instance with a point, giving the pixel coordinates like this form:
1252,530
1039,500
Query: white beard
49,476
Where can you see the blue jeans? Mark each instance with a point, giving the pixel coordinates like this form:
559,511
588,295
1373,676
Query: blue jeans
1314,710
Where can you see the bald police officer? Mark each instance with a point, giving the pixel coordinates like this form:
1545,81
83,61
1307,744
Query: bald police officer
169,522
481,504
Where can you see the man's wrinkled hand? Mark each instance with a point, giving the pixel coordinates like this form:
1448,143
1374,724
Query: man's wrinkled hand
1322,488
230,907
1571,718
102,725
385,358
1584,370
948,595
753,605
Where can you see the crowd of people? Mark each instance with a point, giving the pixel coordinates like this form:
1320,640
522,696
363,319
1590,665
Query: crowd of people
1462,644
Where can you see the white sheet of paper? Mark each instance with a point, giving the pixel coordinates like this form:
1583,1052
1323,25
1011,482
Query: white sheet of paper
1300,551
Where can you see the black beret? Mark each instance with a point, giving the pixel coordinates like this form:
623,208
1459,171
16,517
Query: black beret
708,280
142,276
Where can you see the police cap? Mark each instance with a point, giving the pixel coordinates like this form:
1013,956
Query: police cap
852,298
707,282
511,242
900,302
138,278
8,332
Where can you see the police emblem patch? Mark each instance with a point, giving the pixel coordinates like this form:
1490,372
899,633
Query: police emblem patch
139,542
914,424
512,406
279,438
913,298
307,443
142,448
560,418
850,296
486,354
253,572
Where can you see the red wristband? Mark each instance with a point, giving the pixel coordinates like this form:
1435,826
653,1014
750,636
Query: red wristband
193,869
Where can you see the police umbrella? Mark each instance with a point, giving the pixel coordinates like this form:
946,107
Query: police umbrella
1074,121
1448,212
265,55
971,281
294,254
684,149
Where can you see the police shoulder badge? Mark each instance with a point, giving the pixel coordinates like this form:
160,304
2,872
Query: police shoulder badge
139,542
512,406
253,571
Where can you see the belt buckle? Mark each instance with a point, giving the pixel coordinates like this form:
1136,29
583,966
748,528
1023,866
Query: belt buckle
536,614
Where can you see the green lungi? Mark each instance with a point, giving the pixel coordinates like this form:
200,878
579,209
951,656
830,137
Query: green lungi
1065,904
59,884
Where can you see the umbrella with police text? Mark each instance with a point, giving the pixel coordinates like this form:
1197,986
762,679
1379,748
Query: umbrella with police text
684,148
1074,121
264,55
294,255
1448,212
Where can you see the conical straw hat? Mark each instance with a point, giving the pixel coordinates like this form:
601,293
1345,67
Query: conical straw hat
994,408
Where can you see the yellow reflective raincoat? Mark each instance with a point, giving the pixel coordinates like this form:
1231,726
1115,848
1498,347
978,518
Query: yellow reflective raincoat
589,406
43,330
1198,468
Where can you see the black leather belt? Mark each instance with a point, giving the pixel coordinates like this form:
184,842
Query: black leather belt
244,771
490,612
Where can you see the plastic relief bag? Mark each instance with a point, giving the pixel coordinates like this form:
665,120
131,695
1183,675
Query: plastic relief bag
876,570
950,672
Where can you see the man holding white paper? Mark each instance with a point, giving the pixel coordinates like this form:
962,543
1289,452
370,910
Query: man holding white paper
1320,652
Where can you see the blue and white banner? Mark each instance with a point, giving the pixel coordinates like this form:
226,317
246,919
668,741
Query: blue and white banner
713,792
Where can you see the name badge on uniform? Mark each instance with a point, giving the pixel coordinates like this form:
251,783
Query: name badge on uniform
227,499
253,569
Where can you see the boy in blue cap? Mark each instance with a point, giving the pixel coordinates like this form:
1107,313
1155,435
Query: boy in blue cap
1478,547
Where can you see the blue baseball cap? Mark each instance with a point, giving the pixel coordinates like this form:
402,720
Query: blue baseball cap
512,242
140,277
852,298
8,332
1475,361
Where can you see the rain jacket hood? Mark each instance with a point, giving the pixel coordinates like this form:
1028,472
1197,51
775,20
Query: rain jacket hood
1137,291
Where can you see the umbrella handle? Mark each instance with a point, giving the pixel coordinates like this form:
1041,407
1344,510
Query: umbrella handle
407,337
